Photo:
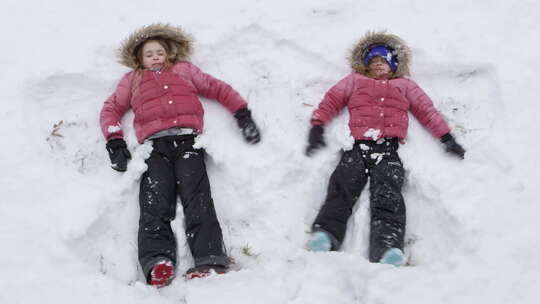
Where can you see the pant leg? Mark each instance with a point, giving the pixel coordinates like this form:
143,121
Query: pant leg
388,214
157,200
203,232
344,188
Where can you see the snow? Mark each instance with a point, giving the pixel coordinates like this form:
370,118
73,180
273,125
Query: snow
378,157
373,133
69,222
113,129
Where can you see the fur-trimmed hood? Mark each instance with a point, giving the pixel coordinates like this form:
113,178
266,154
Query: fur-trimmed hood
179,41
397,44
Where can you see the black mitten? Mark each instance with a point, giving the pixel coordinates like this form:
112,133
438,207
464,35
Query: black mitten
315,140
118,153
451,146
247,125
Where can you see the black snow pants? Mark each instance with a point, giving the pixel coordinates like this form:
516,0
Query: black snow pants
175,168
381,164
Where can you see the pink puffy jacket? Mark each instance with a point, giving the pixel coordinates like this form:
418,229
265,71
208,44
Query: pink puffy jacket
378,107
166,99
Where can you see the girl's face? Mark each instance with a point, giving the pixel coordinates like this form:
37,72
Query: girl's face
153,55
378,67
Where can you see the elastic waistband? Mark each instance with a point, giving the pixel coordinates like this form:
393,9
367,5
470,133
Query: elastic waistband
173,132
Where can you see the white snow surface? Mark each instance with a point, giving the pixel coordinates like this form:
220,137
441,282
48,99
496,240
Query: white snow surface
69,222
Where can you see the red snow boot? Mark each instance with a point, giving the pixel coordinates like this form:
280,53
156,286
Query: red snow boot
162,274
204,271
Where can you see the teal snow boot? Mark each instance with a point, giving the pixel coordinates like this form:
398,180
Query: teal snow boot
393,256
319,241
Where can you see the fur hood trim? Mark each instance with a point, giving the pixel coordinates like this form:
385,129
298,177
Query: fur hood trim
180,43
371,38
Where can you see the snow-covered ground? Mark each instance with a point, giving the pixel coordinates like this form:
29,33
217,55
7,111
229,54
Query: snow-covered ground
68,222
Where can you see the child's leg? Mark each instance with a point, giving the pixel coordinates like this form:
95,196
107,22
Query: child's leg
157,200
203,231
387,206
344,188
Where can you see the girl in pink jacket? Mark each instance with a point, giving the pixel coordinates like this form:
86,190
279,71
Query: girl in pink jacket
162,90
378,97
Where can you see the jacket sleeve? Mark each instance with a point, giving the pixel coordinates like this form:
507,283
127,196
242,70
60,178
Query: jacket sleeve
213,88
114,109
422,108
334,100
